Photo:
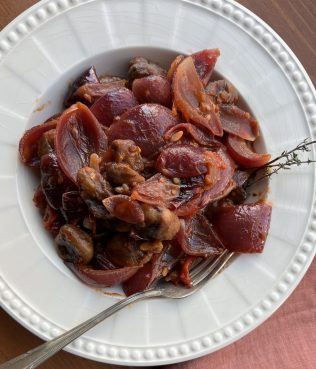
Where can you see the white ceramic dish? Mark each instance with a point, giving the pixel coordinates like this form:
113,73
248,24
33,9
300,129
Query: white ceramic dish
50,44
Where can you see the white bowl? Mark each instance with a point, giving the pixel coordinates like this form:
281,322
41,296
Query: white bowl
47,47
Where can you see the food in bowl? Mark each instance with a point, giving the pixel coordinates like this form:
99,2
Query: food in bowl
140,176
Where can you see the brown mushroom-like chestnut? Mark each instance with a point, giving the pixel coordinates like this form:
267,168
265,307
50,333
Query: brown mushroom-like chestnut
160,223
74,244
120,173
124,251
92,184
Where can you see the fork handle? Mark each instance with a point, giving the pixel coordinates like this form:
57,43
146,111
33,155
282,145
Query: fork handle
31,359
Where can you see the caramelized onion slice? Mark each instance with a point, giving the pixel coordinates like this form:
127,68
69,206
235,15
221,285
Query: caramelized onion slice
112,104
141,280
222,92
239,122
155,269
157,190
53,182
198,238
78,135
124,208
89,76
91,92
192,101
53,220
190,131
144,124
243,154
204,62
29,142
153,89
184,276
185,161
190,207
203,196
102,278
243,228
174,66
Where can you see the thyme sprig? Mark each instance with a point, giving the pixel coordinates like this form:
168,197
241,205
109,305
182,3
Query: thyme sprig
285,161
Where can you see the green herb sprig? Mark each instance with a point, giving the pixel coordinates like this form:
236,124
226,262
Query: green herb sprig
285,161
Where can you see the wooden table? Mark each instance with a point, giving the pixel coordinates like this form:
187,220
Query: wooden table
293,20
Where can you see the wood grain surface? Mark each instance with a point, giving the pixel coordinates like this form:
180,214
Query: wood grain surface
293,20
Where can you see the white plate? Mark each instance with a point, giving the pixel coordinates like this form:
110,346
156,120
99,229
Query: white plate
47,46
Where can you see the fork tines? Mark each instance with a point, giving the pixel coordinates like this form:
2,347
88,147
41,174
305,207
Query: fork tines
209,267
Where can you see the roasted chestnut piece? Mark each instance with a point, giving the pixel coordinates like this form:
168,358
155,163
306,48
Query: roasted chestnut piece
126,151
222,92
74,244
120,174
140,67
124,251
92,184
160,223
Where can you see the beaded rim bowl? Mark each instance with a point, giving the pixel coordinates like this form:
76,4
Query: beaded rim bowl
45,47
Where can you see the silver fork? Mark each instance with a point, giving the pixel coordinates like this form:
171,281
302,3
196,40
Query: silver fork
200,275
